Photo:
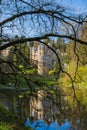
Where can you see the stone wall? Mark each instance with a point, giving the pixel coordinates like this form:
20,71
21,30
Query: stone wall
43,57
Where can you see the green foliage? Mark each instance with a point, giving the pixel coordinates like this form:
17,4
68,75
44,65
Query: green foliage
80,86
8,121
47,41
81,76
21,55
32,71
51,72
13,126
5,115
43,80
4,126
82,52
21,67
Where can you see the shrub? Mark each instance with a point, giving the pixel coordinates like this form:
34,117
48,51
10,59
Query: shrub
4,126
5,115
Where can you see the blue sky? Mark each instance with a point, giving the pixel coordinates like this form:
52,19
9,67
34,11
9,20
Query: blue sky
79,5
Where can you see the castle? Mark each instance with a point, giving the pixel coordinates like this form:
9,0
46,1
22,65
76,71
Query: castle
43,57
39,54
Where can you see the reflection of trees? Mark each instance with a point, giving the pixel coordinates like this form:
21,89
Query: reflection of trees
36,21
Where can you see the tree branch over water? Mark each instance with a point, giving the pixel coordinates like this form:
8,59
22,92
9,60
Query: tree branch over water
23,22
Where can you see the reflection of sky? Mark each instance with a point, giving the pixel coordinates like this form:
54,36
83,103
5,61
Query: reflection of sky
79,5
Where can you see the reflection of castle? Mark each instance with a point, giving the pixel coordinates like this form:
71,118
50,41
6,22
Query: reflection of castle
43,57
43,107
36,106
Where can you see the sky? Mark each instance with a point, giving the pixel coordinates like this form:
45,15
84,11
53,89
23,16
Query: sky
79,5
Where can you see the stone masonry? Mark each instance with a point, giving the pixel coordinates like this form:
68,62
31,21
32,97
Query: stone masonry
43,57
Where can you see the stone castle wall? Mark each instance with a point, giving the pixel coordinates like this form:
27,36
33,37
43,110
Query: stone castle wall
43,57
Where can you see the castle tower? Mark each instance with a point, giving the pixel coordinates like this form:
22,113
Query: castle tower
43,57
34,53
46,59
